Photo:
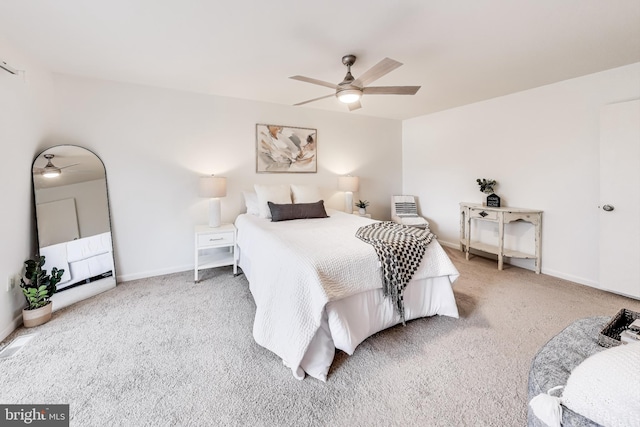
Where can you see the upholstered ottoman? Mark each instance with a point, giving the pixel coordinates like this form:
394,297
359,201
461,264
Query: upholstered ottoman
556,359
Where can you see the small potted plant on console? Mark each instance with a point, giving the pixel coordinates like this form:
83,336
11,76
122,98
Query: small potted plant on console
38,287
362,206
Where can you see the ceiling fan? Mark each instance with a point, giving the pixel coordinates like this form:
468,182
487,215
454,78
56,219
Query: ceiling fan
49,170
350,90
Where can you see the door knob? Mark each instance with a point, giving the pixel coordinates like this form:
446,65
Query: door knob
607,208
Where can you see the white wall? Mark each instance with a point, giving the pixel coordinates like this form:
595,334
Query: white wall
541,145
91,204
156,143
25,119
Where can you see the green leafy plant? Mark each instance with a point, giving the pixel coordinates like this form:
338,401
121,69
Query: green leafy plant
37,286
362,204
486,185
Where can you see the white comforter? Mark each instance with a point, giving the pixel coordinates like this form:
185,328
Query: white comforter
297,267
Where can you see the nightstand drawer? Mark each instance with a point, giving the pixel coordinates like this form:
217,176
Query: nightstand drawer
481,213
215,239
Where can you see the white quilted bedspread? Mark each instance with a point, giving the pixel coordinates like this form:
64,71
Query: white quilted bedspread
298,266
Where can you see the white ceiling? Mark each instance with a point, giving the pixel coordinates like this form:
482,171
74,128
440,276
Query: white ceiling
78,165
458,51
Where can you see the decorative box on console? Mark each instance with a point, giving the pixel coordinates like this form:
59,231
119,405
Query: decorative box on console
493,200
610,334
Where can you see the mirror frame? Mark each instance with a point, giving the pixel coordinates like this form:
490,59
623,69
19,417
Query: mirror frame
85,287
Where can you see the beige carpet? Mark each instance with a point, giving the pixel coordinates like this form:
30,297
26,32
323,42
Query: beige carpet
166,351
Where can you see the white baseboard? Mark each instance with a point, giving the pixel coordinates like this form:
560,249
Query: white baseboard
522,264
15,324
571,278
452,245
449,244
153,273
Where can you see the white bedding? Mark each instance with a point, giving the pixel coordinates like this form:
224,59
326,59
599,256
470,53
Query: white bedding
87,247
312,278
56,256
81,258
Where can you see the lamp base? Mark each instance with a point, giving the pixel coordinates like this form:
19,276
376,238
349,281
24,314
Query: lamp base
348,201
214,213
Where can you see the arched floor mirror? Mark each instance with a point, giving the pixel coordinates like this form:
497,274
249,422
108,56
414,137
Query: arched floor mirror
73,221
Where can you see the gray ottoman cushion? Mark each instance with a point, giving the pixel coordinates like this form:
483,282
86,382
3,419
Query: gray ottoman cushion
557,358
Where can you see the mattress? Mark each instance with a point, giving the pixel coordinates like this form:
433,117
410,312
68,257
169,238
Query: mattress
317,288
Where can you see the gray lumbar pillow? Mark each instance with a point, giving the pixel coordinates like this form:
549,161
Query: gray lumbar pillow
291,211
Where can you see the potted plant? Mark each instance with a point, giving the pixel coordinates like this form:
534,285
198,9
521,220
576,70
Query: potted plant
362,206
38,287
486,186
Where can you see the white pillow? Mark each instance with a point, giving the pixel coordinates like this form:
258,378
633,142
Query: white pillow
251,202
279,194
605,387
305,193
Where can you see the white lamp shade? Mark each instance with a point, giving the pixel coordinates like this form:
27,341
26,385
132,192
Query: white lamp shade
213,186
348,183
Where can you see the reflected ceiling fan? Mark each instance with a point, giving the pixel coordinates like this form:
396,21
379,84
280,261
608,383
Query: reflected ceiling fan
50,170
350,90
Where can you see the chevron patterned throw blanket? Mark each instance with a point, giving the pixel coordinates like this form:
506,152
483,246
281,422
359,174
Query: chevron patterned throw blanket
400,250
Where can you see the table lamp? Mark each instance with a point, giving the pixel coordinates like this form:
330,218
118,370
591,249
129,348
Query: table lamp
348,184
213,187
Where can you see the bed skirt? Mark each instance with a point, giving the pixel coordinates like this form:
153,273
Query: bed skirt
344,327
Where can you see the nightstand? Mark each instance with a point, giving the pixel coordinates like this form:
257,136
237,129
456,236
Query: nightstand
215,247
365,215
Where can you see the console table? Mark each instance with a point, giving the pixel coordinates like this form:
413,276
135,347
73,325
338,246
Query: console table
502,216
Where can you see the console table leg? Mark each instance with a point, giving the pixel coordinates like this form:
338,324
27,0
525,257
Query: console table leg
462,229
500,239
468,231
538,243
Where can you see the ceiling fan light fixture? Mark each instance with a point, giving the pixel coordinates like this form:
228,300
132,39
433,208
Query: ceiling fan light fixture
349,96
51,172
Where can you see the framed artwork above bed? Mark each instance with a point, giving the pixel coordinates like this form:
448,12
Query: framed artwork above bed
286,149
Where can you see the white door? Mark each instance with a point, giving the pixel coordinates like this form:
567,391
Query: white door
620,198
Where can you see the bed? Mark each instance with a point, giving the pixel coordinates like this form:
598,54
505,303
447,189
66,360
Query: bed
317,287
88,268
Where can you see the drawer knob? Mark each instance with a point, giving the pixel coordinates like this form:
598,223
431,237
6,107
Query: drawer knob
483,214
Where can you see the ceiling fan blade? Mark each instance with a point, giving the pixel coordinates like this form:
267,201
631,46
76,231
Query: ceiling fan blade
354,105
38,170
391,90
315,99
68,166
314,81
374,73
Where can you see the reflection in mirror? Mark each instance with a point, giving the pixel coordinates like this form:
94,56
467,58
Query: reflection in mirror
73,222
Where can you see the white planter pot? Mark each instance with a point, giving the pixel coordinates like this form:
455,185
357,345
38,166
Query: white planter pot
362,211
